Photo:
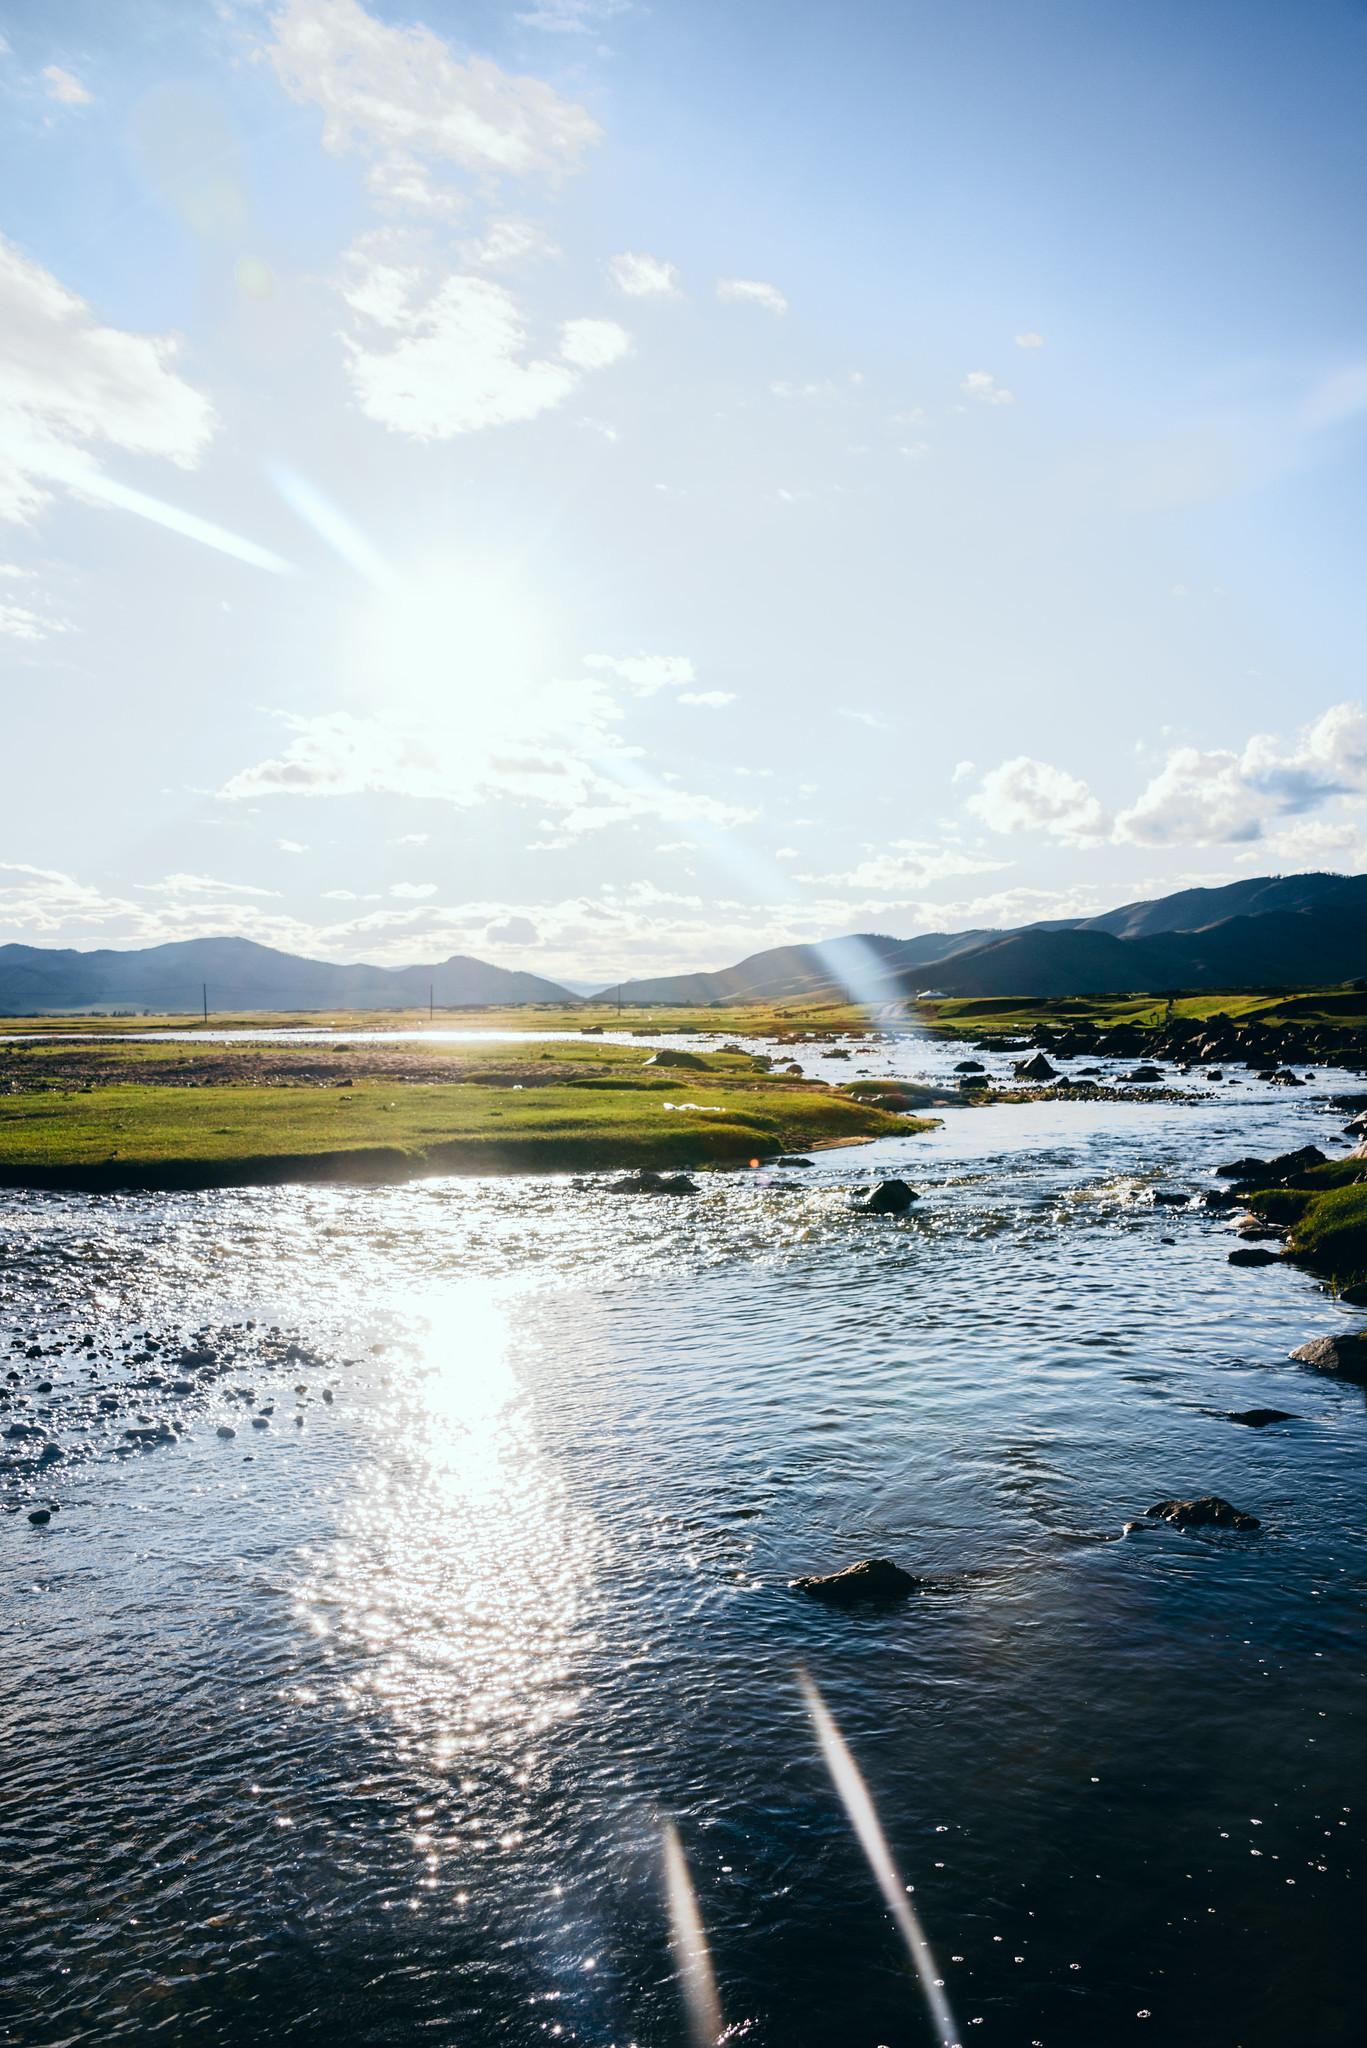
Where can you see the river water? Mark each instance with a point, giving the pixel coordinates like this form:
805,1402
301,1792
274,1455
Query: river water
366,1729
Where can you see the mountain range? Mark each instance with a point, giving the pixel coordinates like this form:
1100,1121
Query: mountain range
1270,931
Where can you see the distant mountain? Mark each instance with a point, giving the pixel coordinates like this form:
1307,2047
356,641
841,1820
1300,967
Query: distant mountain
862,961
1273,933
1271,930
240,975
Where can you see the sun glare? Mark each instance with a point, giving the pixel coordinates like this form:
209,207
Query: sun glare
463,645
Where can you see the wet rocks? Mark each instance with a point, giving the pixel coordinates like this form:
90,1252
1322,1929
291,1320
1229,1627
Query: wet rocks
1253,1255
40,1517
889,1198
970,1067
671,1056
1269,1173
1144,1074
648,1183
1209,1512
1257,1418
1036,1069
1344,1357
872,1579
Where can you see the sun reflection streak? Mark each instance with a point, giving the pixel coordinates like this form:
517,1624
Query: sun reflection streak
690,1945
858,1804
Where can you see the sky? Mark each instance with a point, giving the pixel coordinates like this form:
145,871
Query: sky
608,487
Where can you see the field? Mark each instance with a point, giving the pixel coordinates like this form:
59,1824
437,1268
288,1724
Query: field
1020,1016
120,1114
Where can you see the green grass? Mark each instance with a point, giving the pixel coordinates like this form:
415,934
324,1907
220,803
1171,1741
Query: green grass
1019,1016
1327,1211
603,1108
740,1019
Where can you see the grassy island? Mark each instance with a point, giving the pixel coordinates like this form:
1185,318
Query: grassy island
111,1113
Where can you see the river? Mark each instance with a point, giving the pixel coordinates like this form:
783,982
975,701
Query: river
365,1728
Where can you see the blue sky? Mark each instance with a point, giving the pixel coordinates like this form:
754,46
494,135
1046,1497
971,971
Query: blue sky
608,487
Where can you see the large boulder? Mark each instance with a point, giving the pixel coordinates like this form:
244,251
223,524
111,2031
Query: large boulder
889,1198
671,1056
1253,1255
1209,1512
1343,1356
873,1578
1036,1069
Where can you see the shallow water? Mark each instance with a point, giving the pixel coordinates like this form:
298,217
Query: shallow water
366,1731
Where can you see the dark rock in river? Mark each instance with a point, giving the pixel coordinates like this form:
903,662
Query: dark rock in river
1356,1295
970,1067
1253,1255
1036,1069
889,1198
1144,1074
669,1056
1257,1418
40,1517
1345,1357
873,1578
647,1183
1171,1198
1209,1512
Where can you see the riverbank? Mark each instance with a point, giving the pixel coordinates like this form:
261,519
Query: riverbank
150,1116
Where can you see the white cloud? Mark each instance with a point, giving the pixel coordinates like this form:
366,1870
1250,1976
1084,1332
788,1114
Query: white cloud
784,389
290,846
558,747
511,243
400,96
751,291
200,886
415,892
411,839
644,277
646,673
67,383
712,699
512,931
1030,340
1025,795
21,622
906,865
1226,798
438,359
572,17
593,344
963,771
63,87
868,718
915,451
982,385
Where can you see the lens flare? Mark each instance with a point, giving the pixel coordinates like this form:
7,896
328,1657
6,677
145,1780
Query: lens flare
858,1804
690,1946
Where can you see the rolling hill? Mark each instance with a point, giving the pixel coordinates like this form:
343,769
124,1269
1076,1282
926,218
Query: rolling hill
240,975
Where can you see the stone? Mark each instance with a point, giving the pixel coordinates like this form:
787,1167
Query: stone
1257,1418
1253,1255
1171,1198
889,1198
647,1183
670,1056
873,1578
1209,1512
1345,1357
1036,1069
40,1517
225,1429
970,1067
1144,1074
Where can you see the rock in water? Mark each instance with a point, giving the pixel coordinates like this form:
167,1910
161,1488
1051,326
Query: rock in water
1345,1357
873,1578
1037,1069
1258,1418
646,1183
40,1517
1209,1512
1252,1255
889,1198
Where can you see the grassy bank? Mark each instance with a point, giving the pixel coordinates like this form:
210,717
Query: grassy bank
1327,1212
747,1020
981,1017
229,1117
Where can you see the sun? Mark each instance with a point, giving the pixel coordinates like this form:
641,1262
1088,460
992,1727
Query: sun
460,644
